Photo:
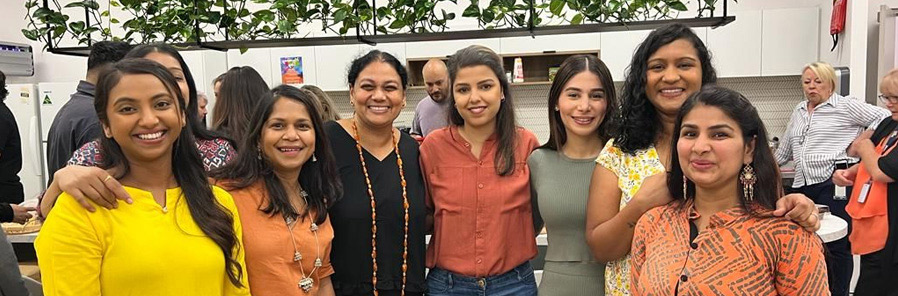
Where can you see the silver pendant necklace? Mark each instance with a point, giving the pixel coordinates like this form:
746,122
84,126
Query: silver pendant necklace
305,282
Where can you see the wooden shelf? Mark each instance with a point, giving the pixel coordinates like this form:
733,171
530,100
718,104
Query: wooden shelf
536,65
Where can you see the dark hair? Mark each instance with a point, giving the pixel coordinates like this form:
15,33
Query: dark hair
767,189
639,122
328,109
3,91
569,68
219,78
375,55
318,178
196,127
104,53
477,55
240,92
187,165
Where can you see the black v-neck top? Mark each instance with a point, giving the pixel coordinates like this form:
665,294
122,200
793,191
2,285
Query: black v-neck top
351,218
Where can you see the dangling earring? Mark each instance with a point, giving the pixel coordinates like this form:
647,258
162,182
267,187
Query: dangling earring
258,153
313,157
556,109
748,180
685,186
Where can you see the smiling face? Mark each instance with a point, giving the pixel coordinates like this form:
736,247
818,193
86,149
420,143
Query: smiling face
582,105
815,89
711,149
674,72
478,95
143,118
377,95
171,63
288,136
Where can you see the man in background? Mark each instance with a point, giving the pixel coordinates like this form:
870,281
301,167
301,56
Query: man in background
11,191
77,122
432,112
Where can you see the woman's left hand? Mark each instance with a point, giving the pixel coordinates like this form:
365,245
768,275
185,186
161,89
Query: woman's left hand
799,208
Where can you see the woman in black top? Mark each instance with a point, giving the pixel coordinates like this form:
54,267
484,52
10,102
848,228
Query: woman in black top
878,267
11,191
377,92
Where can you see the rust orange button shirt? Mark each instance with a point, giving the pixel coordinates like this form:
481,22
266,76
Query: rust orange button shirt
736,254
483,223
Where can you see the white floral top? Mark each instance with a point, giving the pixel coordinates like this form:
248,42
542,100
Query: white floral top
631,170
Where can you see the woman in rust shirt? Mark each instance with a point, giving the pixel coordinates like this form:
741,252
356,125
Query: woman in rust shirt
718,236
282,184
479,185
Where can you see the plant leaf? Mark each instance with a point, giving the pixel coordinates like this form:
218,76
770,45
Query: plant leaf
577,19
471,11
677,5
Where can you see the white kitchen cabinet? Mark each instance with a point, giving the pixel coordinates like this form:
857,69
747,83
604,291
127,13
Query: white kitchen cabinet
618,48
428,49
557,43
258,58
789,40
332,65
736,47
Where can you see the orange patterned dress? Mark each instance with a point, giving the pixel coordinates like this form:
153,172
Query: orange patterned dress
736,254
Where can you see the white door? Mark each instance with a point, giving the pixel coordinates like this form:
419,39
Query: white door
51,97
22,103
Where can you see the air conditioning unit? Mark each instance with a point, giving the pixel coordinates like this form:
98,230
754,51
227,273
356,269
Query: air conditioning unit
16,59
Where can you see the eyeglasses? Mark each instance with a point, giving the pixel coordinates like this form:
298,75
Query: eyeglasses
888,99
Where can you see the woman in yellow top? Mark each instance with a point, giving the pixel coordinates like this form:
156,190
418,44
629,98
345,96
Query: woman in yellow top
181,236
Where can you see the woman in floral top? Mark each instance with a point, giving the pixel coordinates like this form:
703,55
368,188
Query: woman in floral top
82,180
670,64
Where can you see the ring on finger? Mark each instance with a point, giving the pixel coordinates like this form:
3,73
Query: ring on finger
107,178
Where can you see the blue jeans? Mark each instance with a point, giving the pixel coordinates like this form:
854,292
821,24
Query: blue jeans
518,281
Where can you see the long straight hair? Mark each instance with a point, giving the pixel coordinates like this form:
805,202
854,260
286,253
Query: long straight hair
319,178
569,68
768,188
240,90
211,217
477,55
196,128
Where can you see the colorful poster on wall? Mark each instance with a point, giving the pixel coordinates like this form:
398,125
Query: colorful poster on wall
291,70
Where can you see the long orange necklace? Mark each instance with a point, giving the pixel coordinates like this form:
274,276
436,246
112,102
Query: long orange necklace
358,145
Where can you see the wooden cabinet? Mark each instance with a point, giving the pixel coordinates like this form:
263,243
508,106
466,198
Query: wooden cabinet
535,65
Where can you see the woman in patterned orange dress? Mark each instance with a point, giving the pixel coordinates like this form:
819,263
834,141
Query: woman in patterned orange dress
719,236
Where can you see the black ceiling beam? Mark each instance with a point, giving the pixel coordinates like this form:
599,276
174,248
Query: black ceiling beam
454,35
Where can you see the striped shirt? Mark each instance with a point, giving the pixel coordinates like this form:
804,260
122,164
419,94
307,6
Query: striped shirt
817,140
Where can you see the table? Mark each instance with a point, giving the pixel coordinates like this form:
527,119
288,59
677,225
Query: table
832,228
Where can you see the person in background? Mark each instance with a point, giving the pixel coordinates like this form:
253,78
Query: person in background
239,94
432,112
282,190
380,219
203,102
76,122
582,105
478,184
82,180
180,236
11,191
668,66
216,85
11,282
718,236
817,136
328,108
875,232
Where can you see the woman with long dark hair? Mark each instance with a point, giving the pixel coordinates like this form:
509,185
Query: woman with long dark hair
379,222
180,235
478,182
283,184
725,183
240,90
82,180
582,106
668,66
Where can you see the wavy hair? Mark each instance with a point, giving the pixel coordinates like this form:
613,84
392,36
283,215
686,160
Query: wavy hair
187,165
639,122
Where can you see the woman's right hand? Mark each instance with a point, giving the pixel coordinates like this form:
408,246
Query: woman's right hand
844,178
89,183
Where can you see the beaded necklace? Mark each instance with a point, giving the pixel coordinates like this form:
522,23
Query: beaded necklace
358,145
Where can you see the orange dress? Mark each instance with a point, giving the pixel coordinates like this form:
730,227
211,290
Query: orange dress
736,254
269,252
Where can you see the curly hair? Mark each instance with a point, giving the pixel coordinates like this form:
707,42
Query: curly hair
639,122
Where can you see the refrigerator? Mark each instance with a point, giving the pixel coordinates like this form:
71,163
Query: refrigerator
23,103
52,96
